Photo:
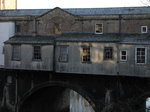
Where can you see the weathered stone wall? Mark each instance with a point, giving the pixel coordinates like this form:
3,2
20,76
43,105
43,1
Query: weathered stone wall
98,65
26,27
58,19
26,60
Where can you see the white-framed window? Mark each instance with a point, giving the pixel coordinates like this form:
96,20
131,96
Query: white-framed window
144,29
63,54
86,56
140,55
99,28
108,53
123,55
37,53
16,52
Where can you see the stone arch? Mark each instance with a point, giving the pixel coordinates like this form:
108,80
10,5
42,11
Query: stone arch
75,88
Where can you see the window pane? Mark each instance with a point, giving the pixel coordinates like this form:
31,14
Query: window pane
18,28
108,53
37,53
140,55
123,56
123,52
98,28
86,54
16,52
143,29
63,55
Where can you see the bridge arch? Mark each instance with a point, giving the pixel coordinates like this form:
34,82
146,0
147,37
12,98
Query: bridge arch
59,84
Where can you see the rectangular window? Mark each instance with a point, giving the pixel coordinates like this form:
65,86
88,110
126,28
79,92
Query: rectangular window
108,53
37,53
63,54
99,28
86,58
18,28
16,51
123,55
141,55
144,29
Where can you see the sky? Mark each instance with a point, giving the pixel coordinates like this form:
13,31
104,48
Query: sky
42,4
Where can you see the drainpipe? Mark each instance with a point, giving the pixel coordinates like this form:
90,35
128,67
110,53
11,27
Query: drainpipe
120,25
16,95
34,27
54,58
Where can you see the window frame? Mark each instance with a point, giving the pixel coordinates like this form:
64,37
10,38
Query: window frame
60,58
140,56
17,28
15,57
121,55
39,53
96,26
112,54
88,56
144,31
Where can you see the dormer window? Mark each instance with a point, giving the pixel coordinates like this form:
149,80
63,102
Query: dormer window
98,28
144,29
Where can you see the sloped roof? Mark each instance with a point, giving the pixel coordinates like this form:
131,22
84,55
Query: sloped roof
107,11
79,11
23,12
88,37
29,39
143,39
109,37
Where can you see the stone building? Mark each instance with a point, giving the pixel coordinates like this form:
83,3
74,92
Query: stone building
53,48
101,41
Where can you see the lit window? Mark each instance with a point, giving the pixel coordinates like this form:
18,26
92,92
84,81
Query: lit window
86,55
57,28
37,53
144,29
141,55
108,53
16,52
99,28
63,55
123,55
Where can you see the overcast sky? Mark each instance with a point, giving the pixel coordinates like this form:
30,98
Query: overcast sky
40,4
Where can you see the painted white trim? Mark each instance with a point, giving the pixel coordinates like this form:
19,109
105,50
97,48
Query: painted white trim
145,55
142,29
102,28
123,55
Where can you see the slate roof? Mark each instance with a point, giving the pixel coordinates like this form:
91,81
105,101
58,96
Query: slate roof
23,12
18,39
79,11
108,11
143,39
88,37
112,37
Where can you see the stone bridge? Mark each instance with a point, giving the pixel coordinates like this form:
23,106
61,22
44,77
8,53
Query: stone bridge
42,91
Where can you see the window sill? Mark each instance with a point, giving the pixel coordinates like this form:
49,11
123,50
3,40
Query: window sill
15,60
37,60
98,33
86,62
